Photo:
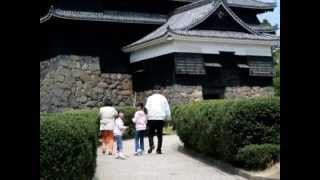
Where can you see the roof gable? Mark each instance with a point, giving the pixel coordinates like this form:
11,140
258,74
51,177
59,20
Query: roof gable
221,20
216,6
190,18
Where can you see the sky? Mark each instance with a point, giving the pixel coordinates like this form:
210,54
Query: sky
272,17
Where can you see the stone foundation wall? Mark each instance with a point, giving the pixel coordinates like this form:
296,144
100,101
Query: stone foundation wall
247,92
175,94
75,82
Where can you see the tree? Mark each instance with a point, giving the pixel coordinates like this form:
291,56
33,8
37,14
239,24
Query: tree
266,22
276,78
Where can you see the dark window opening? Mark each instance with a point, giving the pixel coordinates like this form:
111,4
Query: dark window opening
212,93
212,96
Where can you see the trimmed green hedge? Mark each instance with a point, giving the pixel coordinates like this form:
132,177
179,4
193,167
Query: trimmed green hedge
220,128
258,156
68,145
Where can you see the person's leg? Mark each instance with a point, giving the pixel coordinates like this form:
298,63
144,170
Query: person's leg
136,140
104,141
151,133
110,141
159,135
141,135
118,143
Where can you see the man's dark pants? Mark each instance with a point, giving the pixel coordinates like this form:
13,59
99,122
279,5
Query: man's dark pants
155,127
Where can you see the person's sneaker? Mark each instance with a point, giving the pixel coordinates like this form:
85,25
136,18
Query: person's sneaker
136,153
140,153
122,156
151,149
159,152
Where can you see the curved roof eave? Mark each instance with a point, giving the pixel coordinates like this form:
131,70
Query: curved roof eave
249,4
188,21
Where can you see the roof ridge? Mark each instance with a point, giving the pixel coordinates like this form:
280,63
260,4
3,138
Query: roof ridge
48,16
223,3
129,17
190,6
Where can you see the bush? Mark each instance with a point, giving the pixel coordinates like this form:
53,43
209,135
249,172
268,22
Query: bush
276,80
258,156
248,122
68,145
219,128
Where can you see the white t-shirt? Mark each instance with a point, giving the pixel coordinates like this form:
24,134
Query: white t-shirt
158,108
118,126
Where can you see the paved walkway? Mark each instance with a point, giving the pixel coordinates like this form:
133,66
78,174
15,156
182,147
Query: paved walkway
172,165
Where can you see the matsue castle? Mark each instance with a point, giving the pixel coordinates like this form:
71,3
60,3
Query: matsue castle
94,50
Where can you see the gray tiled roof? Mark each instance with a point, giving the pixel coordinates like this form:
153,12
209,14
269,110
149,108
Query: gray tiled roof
186,20
107,16
254,4
226,34
264,28
179,21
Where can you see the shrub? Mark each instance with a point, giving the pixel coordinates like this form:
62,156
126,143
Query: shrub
255,121
68,145
219,128
276,80
257,156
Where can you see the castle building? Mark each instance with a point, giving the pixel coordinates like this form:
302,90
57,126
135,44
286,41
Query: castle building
118,50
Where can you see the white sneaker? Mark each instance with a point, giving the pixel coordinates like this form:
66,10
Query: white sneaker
122,156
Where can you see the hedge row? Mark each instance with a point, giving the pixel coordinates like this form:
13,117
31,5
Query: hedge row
258,156
221,128
68,145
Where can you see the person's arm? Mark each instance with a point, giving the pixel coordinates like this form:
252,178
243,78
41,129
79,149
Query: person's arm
122,127
134,119
145,118
167,109
148,104
115,113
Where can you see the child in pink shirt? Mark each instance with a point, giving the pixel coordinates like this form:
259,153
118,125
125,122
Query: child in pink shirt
140,120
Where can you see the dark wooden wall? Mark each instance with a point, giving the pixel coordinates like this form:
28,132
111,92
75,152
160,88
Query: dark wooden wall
156,71
97,39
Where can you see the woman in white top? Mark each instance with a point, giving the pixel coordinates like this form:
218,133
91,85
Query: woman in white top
107,117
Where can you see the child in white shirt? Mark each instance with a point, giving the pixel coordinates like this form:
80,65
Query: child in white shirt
119,129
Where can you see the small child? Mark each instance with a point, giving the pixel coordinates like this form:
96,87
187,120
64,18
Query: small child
119,128
140,119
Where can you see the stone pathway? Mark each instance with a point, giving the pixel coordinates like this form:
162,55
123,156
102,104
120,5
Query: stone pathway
172,165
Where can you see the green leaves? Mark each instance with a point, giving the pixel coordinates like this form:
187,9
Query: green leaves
68,145
220,128
257,156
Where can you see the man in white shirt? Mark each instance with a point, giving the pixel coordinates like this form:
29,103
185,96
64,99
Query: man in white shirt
158,112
